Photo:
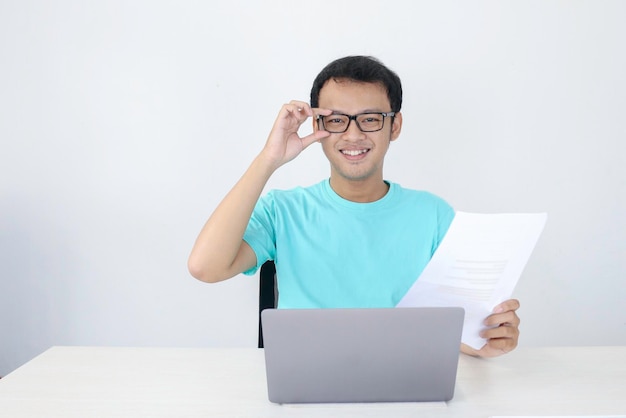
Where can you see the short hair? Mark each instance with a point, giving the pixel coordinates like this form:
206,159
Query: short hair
360,68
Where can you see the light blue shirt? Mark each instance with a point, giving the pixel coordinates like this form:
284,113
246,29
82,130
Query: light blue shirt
333,253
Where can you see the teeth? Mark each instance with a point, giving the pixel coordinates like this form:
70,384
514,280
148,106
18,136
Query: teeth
354,152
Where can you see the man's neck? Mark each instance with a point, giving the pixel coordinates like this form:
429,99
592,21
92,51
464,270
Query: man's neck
359,191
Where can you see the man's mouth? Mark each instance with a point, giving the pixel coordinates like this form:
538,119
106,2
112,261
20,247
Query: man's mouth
354,152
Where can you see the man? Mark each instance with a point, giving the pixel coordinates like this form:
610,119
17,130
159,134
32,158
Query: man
353,240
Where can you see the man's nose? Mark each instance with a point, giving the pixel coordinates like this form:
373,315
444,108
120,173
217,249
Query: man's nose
353,130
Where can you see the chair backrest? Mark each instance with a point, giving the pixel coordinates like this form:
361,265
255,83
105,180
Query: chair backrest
268,292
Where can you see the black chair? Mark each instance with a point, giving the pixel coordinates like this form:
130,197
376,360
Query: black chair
268,292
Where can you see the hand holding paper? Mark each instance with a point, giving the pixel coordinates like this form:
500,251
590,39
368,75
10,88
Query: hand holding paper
477,266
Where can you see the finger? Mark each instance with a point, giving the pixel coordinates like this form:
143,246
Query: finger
509,317
302,110
503,331
294,111
314,137
507,305
322,111
498,346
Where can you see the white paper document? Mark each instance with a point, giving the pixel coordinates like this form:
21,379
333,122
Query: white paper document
477,266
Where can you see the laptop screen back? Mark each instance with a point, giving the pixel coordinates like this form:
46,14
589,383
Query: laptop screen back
361,355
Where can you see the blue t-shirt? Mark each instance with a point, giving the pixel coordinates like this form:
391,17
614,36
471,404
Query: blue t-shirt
333,253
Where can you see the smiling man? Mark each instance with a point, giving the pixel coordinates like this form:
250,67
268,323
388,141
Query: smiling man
352,240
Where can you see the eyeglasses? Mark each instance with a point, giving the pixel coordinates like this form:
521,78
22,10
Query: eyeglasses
367,122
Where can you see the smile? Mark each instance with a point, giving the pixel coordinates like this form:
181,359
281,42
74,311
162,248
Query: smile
354,152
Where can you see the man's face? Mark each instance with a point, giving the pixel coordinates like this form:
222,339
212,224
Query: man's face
355,155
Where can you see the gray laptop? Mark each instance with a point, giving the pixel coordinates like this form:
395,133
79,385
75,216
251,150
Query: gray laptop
361,355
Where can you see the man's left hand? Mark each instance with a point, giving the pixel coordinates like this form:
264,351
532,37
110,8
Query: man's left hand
502,333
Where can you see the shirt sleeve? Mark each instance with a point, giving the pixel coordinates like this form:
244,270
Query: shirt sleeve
260,232
445,215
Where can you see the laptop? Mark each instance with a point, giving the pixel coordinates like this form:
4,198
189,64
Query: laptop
361,354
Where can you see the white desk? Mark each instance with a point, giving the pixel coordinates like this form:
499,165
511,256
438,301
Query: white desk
165,382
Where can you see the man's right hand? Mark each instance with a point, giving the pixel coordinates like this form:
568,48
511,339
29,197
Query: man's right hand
284,144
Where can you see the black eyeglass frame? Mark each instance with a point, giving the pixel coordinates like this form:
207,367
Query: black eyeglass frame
320,118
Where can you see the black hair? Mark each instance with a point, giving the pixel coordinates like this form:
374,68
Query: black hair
365,69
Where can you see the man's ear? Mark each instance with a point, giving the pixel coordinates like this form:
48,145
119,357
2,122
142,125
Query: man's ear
396,126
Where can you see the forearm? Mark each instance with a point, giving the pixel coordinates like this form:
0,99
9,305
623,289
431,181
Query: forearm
217,253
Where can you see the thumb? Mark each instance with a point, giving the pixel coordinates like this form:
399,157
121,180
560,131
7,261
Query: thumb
314,137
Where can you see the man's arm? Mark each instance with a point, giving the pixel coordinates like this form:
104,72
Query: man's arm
219,252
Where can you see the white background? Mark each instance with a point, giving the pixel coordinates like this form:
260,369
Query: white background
124,123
